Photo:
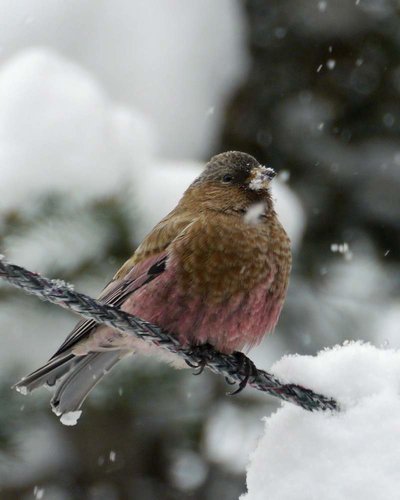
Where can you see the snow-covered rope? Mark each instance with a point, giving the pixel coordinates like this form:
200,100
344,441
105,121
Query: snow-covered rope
62,294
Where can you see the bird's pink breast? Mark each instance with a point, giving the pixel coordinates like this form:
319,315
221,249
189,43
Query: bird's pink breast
241,320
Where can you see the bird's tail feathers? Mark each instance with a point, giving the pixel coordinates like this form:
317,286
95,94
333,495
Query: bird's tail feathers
47,374
74,377
76,385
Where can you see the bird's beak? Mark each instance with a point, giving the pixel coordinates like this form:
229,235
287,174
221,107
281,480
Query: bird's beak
260,177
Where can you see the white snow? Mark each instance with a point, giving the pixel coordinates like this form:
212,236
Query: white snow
58,283
352,455
331,63
22,390
342,248
59,133
261,178
254,212
70,418
172,60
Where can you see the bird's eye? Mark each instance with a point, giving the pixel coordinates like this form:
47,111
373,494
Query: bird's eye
227,178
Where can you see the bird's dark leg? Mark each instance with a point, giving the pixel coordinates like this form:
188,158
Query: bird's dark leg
204,353
250,370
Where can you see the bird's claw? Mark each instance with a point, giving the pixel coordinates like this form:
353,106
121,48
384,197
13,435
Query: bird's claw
205,353
249,368
229,382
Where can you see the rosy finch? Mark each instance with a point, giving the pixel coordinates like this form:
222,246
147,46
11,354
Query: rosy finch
215,270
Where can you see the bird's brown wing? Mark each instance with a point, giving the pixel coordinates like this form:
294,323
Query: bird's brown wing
115,294
146,264
158,240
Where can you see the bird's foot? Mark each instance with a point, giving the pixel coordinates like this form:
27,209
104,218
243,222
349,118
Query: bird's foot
249,368
204,353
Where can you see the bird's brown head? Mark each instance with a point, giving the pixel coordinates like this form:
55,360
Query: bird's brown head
231,180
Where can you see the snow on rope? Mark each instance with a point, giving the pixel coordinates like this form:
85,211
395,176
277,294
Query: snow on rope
62,294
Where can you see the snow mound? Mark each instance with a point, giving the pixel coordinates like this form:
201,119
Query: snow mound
59,132
353,454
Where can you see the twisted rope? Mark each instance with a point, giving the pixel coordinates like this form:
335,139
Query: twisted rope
62,294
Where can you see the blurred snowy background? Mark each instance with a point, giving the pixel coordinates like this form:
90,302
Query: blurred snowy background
107,112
